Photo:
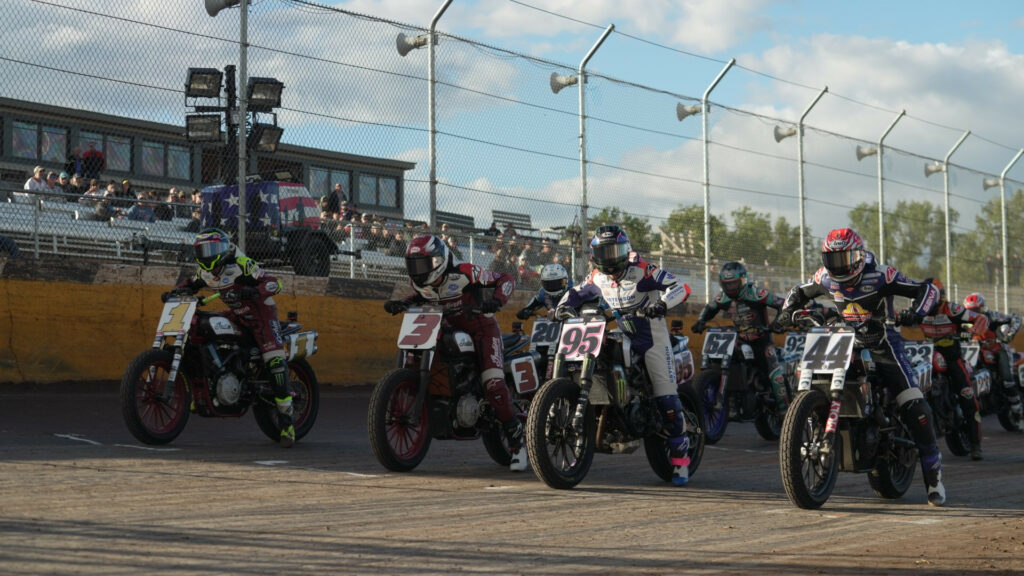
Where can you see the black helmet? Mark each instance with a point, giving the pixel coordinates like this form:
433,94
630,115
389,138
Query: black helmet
732,278
212,248
609,250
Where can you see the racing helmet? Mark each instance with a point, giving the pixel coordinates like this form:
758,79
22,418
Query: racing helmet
212,249
974,302
843,254
426,259
554,280
609,250
732,278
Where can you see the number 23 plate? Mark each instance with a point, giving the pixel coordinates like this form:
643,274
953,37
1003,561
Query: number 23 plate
581,337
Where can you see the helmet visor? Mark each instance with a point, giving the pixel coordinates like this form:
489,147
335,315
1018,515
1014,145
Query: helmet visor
732,287
842,265
610,258
208,253
553,286
419,268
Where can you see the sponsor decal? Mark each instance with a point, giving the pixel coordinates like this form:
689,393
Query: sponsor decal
414,249
833,417
890,273
272,287
855,313
867,288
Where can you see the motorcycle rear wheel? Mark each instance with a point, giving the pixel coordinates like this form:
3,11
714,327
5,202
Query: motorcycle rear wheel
551,439
807,475
1007,421
398,444
894,473
656,445
305,403
150,416
717,419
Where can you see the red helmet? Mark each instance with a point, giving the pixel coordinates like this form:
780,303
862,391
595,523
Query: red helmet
426,259
843,254
974,302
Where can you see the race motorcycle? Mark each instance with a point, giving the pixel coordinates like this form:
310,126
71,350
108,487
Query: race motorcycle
601,399
730,387
982,355
934,384
844,418
203,362
436,392
543,341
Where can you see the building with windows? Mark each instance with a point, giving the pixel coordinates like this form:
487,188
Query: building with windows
157,156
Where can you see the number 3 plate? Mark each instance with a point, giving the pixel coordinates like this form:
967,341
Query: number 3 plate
581,337
419,329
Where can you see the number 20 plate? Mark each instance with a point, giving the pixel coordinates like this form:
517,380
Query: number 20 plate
580,337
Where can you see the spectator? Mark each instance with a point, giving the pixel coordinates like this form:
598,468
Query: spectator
375,238
493,230
398,245
93,162
91,195
339,193
100,201
166,211
347,211
75,188
9,247
73,165
183,205
454,247
141,211
36,183
125,197
330,204
63,183
51,182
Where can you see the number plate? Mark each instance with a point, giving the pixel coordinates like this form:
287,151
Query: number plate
919,352
794,343
524,373
581,336
545,333
718,344
177,317
826,351
970,354
419,328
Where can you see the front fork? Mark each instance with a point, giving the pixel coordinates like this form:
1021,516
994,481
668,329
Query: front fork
172,374
421,391
586,381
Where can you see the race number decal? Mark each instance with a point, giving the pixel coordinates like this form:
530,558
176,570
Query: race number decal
545,332
825,352
719,344
177,317
524,373
419,330
919,352
970,352
581,337
794,343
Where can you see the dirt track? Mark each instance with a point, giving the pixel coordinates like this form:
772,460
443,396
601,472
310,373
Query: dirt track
79,495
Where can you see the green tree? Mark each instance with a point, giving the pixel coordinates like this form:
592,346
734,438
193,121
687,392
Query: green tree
915,238
685,228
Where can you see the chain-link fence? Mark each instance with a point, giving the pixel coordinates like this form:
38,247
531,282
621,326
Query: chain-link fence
356,116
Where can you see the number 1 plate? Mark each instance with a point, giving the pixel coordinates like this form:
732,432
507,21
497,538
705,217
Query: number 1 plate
581,337
177,317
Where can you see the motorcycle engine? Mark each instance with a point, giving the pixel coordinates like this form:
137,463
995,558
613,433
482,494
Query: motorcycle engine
467,411
229,389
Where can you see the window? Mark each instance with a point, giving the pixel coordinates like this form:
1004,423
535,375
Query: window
179,162
152,158
322,181
35,142
117,150
378,191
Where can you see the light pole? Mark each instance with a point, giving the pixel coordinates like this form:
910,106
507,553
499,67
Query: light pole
557,83
1001,182
780,134
930,169
863,152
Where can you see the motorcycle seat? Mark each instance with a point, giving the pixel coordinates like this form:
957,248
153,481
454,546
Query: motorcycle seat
510,342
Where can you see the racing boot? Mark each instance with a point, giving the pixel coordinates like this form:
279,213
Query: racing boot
1016,408
514,434
678,443
972,421
931,469
779,389
917,415
282,397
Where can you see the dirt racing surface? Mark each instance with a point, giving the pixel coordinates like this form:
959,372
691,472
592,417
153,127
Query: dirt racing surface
79,495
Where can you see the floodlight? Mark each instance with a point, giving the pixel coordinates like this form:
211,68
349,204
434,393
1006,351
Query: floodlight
203,83
264,94
265,137
202,128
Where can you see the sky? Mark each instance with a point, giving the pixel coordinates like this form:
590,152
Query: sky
952,66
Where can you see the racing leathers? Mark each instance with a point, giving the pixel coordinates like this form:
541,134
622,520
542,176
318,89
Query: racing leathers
749,310
459,293
640,288
542,299
990,345
865,303
943,328
249,293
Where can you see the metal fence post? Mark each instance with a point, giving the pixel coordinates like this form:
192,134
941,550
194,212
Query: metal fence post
707,180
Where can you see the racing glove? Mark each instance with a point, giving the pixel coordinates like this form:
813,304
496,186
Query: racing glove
655,310
524,313
396,306
490,306
908,318
564,313
698,326
782,321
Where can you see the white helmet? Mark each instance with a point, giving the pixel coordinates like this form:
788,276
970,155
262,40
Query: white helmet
554,279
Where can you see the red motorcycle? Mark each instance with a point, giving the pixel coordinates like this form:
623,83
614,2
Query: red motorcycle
203,362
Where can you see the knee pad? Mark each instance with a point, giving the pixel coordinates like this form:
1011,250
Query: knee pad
671,414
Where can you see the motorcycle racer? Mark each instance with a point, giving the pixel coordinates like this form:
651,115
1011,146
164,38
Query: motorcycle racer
863,290
975,302
553,282
458,288
943,327
749,305
641,293
248,292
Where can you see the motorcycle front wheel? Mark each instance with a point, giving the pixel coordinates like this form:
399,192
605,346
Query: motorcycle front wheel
656,445
768,421
808,474
559,455
305,403
399,441
154,411
716,410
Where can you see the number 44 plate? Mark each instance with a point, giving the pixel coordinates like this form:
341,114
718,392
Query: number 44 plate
826,351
